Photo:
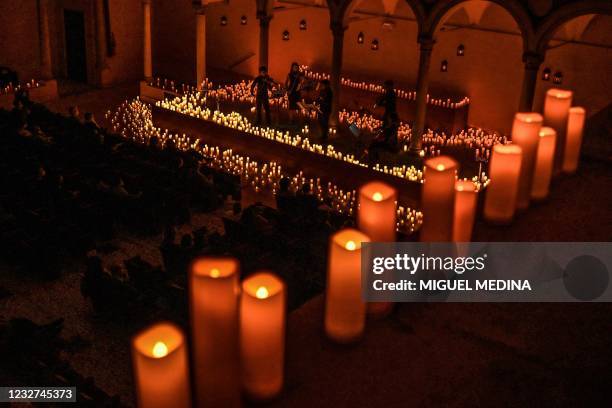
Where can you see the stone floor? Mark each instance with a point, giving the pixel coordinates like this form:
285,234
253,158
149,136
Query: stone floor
456,355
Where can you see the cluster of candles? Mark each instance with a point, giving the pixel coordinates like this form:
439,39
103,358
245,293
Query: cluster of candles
472,138
377,88
542,146
238,329
368,122
133,120
10,88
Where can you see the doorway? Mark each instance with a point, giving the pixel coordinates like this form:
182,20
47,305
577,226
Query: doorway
76,50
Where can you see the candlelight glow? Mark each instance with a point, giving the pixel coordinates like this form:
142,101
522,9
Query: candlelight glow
262,292
377,196
215,273
440,167
160,350
350,245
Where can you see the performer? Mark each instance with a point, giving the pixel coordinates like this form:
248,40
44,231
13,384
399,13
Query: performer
263,83
293,85
388,100
325,107
386,139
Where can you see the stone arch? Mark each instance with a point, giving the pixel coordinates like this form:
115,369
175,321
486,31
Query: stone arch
513,7
562,15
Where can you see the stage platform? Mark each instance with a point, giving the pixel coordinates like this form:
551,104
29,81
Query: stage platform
292,159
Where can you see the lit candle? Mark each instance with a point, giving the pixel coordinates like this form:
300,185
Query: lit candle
505,168
525,133
377,219
161,374
465,208
438,199
556,111
214,327
262,335
377,210
544,163
344,307
575,125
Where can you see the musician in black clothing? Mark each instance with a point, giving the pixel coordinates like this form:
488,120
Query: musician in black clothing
386,139
293,85
263,83
325,107
388,100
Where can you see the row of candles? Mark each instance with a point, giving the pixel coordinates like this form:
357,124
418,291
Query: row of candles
238,329
377,88
542,146
173,86
11,88
133,120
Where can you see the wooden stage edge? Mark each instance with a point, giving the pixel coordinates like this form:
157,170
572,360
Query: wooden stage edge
292,159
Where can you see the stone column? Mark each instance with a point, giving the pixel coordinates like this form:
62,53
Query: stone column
46,70
264,37
338,29
101,66
426,44
147,52
200,45
532,63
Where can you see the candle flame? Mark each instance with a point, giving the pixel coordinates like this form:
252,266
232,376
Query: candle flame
160,350
262,292
215,273
350,245
459,188
440,167
377,196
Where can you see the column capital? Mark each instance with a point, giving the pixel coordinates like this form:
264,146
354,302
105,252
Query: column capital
426,42
263,17
532,60
199,8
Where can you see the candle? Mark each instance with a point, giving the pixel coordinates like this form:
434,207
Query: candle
556,111
525,133
161,375
214,327
573,141
377,210
465,208
377,219
438,199
544,163
505,168
344,307
262,335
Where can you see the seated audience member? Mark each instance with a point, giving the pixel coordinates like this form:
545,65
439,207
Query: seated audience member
307,202
23,131
41,136
170,251
92,128
19,113
74,114
285,199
